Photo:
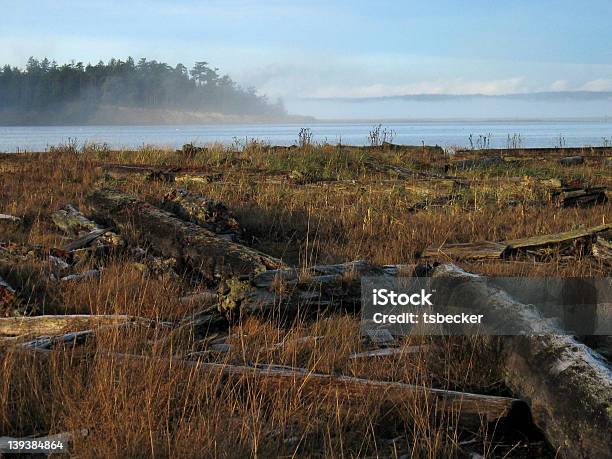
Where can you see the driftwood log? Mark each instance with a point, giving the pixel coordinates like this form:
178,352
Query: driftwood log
208,213
575,241
571,160
58,324
318,287
487,161
567,385
470,410
72,222
580,197
188,243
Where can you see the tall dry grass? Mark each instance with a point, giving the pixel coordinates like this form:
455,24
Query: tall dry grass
154,406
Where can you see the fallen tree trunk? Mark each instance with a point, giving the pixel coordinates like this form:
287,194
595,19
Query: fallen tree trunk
317,287
576,241
470,410
403,172
72,222
559,240
57,324
207,213
581,197
173,237
568,386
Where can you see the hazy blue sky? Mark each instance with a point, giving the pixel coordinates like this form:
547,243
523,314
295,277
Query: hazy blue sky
334,48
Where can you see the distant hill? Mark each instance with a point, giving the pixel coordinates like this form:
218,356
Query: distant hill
125,92
556,96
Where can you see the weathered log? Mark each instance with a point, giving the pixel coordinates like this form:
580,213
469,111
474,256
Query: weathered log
73,337
208,213
403,172
317,287
602,248
575,240
487,161
72,222
568,386
85,240
388,352
581,197
571,161
9,221
440,201
90,274
48,342
173,237
9,218
585,235
58,324
470,410
197,178
467,251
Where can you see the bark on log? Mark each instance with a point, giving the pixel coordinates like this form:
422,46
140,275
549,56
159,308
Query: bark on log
580,197
72,222
487,161
571,161
57,324
318,287
207,213
568,386
403,172
189,243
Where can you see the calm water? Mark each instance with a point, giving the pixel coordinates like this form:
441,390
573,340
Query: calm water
444,133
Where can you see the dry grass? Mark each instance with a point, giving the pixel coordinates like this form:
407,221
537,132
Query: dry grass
156,407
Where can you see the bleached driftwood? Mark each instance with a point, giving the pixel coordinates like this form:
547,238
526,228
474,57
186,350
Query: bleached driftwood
57,324
173,237
568,386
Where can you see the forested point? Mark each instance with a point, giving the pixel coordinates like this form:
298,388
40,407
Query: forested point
45,87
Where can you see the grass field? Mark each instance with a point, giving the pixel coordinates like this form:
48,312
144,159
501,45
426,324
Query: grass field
314,204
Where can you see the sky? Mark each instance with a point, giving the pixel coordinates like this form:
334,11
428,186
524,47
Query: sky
304,50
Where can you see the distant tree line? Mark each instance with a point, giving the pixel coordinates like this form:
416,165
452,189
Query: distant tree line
44,84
